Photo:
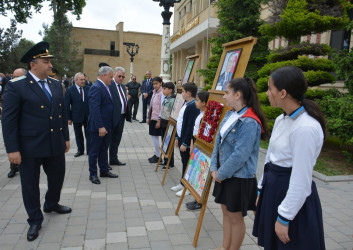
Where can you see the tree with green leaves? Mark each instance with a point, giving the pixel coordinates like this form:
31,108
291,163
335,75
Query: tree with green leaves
22,9
238,19
8,42
61,46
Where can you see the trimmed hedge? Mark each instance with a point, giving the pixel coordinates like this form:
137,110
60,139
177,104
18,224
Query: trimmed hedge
303,62
262,84
315,78
318,94
292,52
263,99
271,112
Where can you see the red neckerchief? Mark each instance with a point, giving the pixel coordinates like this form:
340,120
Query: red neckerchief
251,114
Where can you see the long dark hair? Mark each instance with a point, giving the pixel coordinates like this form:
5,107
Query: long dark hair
248,88
293,81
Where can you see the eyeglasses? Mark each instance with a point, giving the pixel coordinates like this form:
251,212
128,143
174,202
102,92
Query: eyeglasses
121,77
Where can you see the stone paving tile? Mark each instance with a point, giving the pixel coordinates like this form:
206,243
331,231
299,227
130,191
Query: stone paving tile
138,242
136,231
154,225
94,244
117,237
167,220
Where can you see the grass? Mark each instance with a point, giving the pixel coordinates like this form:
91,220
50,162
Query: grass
333,160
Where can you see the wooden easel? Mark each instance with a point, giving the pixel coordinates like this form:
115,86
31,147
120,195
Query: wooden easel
170,149
202,199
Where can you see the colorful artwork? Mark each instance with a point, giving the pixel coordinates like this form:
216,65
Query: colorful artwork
197,171
168,135
188,71
228,68
178,103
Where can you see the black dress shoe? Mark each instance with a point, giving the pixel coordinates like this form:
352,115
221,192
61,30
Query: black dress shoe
11,174
117,162
109,175
33,232
94,179
78,154
110,168
60,209
142,121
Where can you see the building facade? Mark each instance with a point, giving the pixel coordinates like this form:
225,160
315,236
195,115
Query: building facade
195,22
107,46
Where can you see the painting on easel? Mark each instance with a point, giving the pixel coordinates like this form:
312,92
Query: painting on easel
197,172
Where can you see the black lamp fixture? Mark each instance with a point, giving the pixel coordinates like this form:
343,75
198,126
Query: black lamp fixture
166,14
132,49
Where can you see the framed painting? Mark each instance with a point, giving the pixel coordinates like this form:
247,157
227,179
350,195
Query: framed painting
178,103
168,136
197,172
229,66
233,63
188,70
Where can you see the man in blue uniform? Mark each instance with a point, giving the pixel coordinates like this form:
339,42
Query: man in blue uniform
35,133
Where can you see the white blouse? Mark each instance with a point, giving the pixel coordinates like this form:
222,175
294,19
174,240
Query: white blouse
296,142
197,123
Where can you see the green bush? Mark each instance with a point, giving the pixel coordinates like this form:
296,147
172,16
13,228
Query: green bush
303,62
304,48
263,99
315,78
207,87
339,115
318,94
271,112
344,67
262,84
270,124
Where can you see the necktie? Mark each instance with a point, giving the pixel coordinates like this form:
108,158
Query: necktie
81,93
122,97
45,90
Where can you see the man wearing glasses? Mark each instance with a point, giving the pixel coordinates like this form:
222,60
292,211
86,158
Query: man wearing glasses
133,97
120,113
146,90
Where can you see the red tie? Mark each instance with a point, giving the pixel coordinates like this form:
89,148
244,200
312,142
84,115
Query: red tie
81,93
122,97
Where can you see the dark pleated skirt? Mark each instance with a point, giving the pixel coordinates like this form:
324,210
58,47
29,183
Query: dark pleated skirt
152,128
237,194
305,230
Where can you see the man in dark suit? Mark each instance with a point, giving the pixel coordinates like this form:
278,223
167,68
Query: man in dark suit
35,133
147,91
77,110
100,122
118,90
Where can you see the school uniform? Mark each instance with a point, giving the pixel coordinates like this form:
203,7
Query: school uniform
287,191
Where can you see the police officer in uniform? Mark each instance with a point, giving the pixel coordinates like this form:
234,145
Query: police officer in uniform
36,134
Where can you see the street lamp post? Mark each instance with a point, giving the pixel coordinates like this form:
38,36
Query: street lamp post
132,49
165,52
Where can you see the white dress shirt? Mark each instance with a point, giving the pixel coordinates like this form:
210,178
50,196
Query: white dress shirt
296,142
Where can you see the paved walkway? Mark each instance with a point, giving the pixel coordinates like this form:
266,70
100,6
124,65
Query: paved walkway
135,211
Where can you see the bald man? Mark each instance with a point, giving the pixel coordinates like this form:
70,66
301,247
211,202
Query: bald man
14,167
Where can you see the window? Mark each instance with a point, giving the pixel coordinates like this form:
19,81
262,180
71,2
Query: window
112,45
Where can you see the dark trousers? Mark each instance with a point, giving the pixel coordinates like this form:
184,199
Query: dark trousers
54,167
145,103
116,135
171,163
133,102
184,159
98,151
79,136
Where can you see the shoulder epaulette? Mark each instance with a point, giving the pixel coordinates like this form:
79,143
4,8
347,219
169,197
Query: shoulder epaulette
18,78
